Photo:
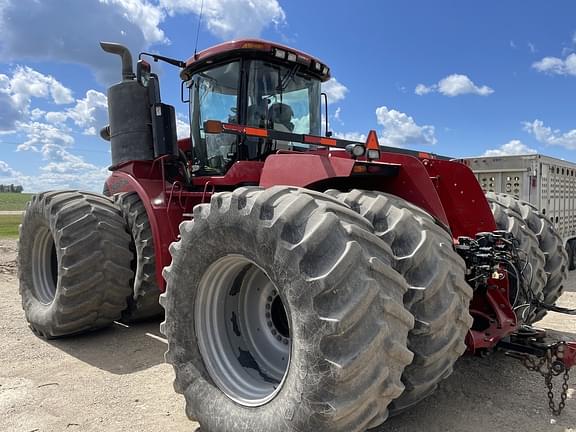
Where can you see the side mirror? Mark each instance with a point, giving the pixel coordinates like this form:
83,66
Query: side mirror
143,71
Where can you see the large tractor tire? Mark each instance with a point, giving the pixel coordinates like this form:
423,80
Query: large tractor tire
439,296
143,303
283,313
550,285
73,263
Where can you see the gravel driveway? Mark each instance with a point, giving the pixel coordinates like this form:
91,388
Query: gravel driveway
116,380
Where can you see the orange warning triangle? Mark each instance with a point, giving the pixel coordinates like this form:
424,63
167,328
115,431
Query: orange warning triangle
372,141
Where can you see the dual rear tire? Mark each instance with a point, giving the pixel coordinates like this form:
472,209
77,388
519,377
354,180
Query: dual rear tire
541,245
341,280
73,263
438,295
345,326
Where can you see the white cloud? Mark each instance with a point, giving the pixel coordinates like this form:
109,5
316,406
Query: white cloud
18,90
56,117
27,83
557,66
337,114
39,135
399,129
421,89
69,31
351,136
513,147
73,173
143,14
532,48
549,136
334,90
182,126
454,85
91,112
229,19
37,114
7,172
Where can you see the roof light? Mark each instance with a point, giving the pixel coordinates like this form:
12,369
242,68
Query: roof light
355,150
325,70
304,60
292,57
255,45
279,53
317,66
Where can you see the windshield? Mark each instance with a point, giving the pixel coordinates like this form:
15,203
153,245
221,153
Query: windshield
214,96
280,98
277,97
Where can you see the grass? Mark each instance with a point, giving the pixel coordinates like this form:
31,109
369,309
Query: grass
9,226
13,201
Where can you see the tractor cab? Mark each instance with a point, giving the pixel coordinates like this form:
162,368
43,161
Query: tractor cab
251,84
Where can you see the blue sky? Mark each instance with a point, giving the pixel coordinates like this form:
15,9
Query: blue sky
457,78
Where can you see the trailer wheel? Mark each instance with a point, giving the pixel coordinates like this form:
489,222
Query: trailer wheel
549,243
73,263
282,310
143,303
439,296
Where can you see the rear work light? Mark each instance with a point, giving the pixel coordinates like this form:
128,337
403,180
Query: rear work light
356,150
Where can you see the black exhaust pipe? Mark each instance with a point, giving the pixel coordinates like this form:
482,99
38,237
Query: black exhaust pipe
129,114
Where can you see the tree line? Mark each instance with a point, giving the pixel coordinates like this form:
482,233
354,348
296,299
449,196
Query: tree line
11,188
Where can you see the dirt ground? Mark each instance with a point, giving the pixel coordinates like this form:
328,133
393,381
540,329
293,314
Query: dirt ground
116,380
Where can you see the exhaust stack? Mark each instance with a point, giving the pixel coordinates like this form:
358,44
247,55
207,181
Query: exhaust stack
125,55
129,130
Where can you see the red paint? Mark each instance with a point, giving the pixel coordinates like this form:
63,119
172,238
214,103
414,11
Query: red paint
241,173
414,185
228,48
165,206
462,197
494,309
569,359
303,169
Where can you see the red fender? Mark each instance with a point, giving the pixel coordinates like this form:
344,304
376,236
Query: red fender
462,197
164,214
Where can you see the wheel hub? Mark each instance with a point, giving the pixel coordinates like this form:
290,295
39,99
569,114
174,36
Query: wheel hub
243,330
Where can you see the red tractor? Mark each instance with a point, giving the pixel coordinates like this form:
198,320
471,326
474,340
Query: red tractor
308,283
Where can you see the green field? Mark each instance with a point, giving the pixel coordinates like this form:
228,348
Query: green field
9,226
13,201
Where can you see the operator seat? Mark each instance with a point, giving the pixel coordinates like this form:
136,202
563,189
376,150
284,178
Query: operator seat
280,115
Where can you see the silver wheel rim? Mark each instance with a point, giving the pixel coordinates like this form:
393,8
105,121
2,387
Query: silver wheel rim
242,330
44,267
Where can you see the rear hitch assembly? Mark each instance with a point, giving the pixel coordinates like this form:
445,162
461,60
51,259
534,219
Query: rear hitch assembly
543,355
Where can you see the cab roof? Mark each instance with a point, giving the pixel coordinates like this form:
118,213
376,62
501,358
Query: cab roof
232,48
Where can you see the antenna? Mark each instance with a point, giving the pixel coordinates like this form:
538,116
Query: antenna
198,29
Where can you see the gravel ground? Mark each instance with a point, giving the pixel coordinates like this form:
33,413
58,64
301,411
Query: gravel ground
115,380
